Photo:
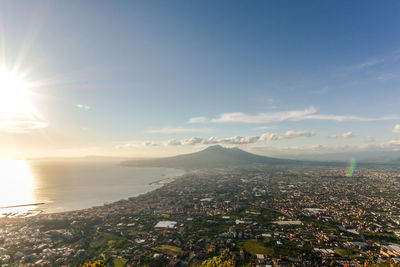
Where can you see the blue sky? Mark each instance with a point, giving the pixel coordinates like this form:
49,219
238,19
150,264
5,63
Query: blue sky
297,71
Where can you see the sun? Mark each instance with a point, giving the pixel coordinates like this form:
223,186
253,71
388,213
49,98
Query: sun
15,96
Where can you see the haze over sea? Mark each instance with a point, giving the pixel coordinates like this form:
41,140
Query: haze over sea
65,185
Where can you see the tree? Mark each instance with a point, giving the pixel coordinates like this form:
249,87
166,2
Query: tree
97,263
220,261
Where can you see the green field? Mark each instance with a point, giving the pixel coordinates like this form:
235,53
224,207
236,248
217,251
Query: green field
119,263
254,247
169,249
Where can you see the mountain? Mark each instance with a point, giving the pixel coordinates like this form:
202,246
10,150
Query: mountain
211,157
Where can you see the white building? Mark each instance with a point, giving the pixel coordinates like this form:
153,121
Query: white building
165,224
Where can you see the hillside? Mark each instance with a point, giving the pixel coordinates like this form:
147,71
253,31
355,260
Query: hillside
211,157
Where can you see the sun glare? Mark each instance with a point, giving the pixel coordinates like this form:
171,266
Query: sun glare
16,185
14,96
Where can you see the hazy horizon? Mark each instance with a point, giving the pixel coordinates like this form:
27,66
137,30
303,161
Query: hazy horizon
377,157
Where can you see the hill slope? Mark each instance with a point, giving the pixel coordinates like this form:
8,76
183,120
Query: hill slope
211,157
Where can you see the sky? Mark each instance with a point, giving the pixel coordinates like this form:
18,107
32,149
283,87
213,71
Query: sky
159,78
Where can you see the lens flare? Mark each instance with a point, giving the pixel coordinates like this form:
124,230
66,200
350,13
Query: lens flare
351,168
83,106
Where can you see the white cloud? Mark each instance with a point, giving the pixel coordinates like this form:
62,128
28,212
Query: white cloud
392,144
264,117
347,135
292,134
151,143
341,118
309,113
188,142
369,139
175,130
174,142
234,140
192,141
128,145
396,128
239,140
288,135
268,137
198,120
22,126
211,141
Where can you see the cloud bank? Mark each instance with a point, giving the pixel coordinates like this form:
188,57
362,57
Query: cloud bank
241,140
234,140
264,117
188,142
309,113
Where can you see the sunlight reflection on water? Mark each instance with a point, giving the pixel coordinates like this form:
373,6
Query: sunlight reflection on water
66,185
16,187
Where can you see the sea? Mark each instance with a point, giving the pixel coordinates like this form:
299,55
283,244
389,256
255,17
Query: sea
30,187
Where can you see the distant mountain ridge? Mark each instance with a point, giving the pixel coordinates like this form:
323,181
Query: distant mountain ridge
212,157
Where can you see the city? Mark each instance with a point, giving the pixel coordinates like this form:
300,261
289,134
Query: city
281,216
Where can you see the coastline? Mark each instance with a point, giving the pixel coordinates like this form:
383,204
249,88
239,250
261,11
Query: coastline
39,208
163,181
105,206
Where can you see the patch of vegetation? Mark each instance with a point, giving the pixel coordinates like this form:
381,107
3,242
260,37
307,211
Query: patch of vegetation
219,261
92,264
347,252
254,247
105,240
287,249
134,232
386,237
119,263
47,224
169,248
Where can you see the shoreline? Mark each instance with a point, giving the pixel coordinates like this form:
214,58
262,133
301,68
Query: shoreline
106,205
158,183
42,212
22,205
161,181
